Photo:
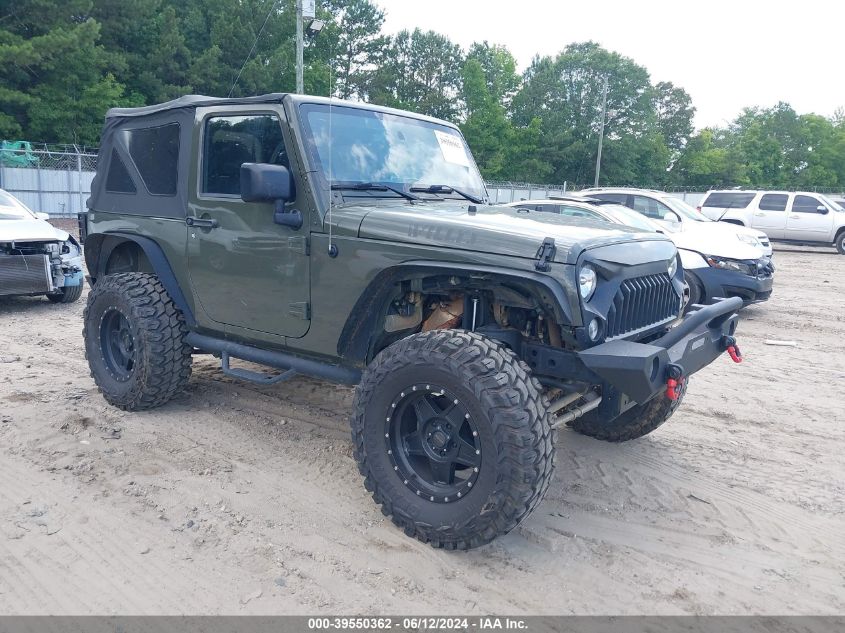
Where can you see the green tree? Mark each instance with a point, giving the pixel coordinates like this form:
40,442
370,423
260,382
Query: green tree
565,92
709,160
674,110
502,150
498,66
54,74
358,47
421,72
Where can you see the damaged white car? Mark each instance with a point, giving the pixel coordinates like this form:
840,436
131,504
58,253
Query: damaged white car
35,257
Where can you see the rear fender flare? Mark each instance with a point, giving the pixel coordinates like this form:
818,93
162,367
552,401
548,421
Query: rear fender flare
100,246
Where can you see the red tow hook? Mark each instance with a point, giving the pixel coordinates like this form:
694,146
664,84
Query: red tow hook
675,382
673,388
733,349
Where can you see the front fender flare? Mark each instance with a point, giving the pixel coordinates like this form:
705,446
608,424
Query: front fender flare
354,341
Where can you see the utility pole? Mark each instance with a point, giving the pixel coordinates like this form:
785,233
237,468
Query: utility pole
300,46
601,131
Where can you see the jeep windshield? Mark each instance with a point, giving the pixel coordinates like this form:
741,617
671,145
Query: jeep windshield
367,153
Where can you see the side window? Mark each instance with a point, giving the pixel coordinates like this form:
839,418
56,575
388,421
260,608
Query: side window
649,207
231,141
620,198
155,152
576,212
118,180
773,202
728,200
548,208
805,204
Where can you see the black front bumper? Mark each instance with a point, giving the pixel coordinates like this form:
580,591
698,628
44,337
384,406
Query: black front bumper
718,282
641,370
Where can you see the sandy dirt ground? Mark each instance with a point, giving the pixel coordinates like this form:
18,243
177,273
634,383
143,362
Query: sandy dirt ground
240,499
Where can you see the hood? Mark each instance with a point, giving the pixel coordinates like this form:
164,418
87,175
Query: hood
30,230
491,229
715,238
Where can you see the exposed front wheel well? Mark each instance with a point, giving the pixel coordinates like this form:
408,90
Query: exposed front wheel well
431,300
737,222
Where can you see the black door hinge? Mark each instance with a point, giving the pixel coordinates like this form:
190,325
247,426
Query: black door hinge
545,254
300,310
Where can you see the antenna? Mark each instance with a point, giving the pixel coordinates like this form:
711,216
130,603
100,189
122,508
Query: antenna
332,246
260,31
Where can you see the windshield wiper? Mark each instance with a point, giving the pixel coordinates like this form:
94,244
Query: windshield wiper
448,189
374,186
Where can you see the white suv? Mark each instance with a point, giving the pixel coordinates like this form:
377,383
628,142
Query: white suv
676,215
793,216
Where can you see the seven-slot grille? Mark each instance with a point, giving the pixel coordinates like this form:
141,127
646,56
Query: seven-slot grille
642,303
25,274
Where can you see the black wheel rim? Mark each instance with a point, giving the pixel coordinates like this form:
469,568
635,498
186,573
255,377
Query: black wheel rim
433,442
117,344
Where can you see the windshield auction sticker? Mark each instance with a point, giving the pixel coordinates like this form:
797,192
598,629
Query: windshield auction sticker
452,148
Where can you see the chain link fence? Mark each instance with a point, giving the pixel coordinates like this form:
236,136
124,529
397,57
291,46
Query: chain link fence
56,180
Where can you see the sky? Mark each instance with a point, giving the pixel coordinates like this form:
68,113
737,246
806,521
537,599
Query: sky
726,55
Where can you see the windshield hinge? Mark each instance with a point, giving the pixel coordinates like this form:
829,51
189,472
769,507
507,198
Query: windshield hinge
300,310
299,244
545,254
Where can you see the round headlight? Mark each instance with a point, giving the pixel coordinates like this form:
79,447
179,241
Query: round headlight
673,266
587,281
593,329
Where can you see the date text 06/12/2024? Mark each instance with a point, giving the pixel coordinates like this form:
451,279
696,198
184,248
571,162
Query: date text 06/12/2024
416,623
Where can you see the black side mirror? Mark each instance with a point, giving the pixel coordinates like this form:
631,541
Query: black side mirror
822,209
262,182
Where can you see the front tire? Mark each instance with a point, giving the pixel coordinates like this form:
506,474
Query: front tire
67,294
840,243
636,422
695,290
453,438
135,341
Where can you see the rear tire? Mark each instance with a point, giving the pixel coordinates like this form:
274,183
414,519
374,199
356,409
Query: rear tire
635,422
68,294
840,243
438,393
135,341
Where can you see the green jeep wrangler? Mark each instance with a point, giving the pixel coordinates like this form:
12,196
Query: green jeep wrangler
355,243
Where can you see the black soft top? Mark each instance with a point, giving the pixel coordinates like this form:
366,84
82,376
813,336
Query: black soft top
193,101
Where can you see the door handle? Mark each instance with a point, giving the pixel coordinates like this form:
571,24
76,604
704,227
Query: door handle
760,215
794,217
203,223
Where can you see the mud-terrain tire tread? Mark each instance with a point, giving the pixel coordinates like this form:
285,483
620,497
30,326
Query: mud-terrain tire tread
164,366
68,294
636,422
517,410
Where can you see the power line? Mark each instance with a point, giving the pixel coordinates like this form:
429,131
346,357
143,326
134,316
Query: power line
260,31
